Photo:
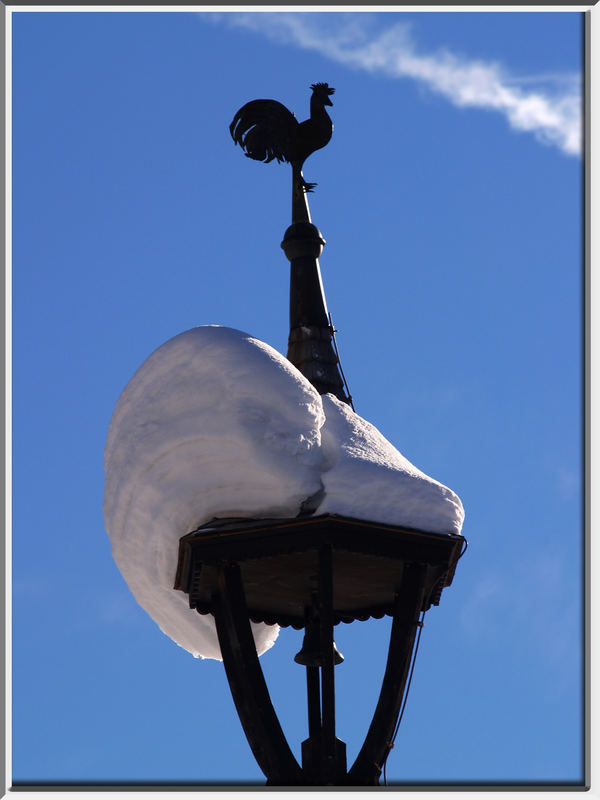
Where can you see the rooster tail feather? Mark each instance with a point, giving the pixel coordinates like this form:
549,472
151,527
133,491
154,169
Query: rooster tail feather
265,130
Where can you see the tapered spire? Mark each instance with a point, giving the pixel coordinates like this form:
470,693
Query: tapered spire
310,344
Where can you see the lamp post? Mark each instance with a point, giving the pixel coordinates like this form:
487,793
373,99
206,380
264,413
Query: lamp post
311,571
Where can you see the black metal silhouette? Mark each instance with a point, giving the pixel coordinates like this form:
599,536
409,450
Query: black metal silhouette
303,572
311,572
266,129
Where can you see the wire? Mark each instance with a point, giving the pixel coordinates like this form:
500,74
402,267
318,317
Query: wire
335,347
420,625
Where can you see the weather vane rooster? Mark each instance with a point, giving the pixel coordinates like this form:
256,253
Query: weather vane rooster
266,129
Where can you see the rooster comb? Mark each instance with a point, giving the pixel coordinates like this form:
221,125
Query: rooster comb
322,87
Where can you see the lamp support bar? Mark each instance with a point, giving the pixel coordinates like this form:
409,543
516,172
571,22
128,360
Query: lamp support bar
313,692
323,754
326,643
246,680
223,567
378,741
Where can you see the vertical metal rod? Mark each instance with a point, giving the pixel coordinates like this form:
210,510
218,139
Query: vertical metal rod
313,683
313,690
326,642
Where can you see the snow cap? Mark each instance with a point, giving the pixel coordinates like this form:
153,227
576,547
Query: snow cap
216,423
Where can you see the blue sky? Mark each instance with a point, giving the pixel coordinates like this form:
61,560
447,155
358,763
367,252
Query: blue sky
451,200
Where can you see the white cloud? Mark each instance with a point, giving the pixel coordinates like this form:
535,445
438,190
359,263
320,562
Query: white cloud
553,115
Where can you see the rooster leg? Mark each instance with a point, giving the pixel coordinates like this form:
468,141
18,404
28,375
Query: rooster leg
300,210
303,186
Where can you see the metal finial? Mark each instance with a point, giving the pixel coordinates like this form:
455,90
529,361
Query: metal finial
267,130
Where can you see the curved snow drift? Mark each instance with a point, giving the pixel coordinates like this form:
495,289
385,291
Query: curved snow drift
216,423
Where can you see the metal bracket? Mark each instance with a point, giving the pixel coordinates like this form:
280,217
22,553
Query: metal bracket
368,764
247,682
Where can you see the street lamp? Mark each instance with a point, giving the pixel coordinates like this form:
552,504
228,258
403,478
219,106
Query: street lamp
311,571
